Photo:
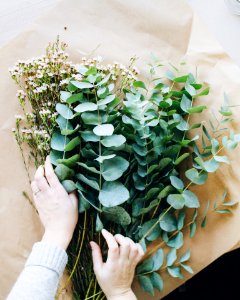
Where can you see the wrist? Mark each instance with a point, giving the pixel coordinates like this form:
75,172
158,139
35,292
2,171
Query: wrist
59,239
127,295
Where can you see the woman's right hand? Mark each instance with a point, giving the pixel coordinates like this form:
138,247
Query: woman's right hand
115,276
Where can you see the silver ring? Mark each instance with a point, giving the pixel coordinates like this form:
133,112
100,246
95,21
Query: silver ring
36,192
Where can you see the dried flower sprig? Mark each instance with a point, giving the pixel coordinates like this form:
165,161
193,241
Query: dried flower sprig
41,79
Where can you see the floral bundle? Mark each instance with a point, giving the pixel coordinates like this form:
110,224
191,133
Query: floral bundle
129,150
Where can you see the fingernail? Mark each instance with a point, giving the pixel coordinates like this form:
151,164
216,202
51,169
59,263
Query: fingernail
91,245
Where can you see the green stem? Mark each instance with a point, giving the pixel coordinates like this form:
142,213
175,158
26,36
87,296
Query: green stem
155,224
93,295
78,256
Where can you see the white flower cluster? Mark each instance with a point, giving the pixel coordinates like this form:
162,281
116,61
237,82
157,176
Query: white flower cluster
115,69
64,81
19,117
41,79
45,112
21,94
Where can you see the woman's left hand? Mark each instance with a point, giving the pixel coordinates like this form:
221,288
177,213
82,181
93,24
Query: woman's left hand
57,209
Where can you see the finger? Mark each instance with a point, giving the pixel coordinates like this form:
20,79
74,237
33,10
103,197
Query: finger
113,249
124,246
140,253
37,195
73,197
35,190
133,250
41,180
97,257
50,175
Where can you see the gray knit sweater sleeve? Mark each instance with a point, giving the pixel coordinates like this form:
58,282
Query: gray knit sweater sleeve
40,276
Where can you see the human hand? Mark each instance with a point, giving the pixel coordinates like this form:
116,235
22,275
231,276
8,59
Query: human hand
115,276
57,209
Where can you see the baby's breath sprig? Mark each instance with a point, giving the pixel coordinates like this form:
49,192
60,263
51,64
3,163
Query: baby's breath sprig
40,80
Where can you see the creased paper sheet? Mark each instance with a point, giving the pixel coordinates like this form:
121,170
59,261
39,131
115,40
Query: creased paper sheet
120,29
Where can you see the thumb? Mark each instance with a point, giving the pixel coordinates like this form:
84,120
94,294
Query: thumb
74,199
97,257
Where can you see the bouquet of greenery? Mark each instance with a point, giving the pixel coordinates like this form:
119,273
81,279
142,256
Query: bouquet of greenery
130,151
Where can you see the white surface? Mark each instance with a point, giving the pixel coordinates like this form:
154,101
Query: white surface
224,26
17,15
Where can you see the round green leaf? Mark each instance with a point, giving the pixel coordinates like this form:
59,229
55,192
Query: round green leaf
117,214
91,182
211,165
145,266
93,118
84,204
223,159
180,219
177,201
187,268
64,95
86,106
106,100
104,80
190,89
171,257
168,223
183,78
155,232
64,111
101,91
175,272
142,151
195,177
146,284
103,130
181,158
99,224
193,228
101,158
114,140
139,84
196,109
176,241
82,85
81,69
91,169
185,256
69,185
58,141
139,182
114,168
72,144
158,258
89,136
191,199
54,156
69,162
63,172
176,182
63,123
75,98
183,125
69,132
157,281
113,193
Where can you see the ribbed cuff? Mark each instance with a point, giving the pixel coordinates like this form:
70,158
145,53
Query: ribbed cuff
49,256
